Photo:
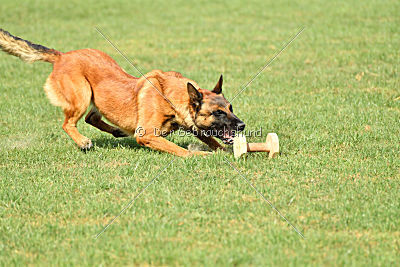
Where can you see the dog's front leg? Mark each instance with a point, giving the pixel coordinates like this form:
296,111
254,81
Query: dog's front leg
162,144
210,141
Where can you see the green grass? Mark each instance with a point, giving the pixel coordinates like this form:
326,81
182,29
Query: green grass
337,179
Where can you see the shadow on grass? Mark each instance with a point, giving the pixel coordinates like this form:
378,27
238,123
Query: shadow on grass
127,142
110,142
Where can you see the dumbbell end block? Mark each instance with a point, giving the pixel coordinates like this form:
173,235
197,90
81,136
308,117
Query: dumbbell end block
239,145
272,144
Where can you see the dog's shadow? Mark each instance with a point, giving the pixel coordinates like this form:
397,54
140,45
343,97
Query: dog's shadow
110,142
113,143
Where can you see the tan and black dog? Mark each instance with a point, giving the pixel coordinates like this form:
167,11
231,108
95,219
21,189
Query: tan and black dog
148,107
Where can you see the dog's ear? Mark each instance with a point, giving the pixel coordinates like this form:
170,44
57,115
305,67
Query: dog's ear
194,95
218,87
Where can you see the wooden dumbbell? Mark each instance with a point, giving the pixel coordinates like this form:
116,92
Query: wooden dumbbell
271,145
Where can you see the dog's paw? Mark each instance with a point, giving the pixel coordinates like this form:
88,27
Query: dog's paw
86,145
198,147
118,133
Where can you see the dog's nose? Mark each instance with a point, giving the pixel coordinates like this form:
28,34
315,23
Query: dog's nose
240,126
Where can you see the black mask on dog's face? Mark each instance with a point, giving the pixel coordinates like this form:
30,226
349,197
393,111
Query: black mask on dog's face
214,114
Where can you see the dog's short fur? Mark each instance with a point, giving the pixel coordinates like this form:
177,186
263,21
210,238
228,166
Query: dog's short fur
147,108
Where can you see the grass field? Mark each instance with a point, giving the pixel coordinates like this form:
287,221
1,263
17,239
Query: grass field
332,97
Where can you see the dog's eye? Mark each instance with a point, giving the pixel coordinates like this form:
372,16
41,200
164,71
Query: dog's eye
230,108
219,113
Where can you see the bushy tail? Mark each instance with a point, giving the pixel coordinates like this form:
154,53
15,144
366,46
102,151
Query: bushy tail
26,50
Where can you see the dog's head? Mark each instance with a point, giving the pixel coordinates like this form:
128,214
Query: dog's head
213,114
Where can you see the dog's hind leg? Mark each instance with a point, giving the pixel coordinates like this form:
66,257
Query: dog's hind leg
69,126
94,119
74,98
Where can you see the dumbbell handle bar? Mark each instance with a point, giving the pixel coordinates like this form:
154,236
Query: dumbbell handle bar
258,147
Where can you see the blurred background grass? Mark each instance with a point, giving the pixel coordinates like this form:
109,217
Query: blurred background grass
331,97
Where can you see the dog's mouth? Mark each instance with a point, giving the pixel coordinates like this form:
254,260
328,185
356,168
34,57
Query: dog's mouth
227,137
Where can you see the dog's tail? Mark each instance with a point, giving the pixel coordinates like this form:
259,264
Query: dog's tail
26,50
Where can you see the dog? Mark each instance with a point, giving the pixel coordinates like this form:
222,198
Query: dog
148,108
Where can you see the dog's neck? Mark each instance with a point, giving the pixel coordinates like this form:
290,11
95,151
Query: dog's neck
185,118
